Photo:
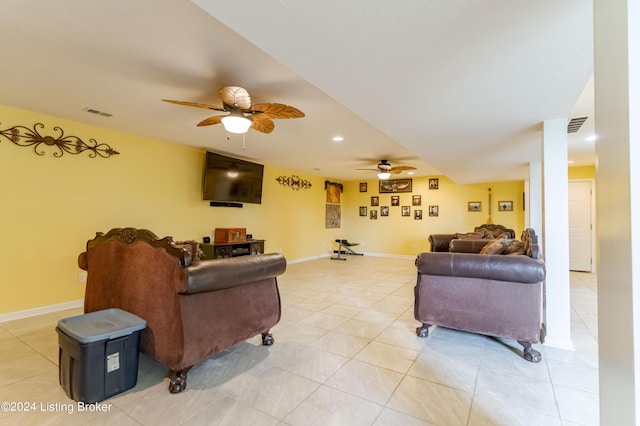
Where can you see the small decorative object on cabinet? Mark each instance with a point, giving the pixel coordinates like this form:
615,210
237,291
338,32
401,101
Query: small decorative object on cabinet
230,235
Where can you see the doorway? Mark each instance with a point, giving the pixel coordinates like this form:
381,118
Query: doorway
581,221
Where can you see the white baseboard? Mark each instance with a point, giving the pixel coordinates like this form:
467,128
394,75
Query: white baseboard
41,310
394,256
348,256
306,259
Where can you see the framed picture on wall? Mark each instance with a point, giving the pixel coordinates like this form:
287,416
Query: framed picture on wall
375,201
384,211
433,211
396,185
434,183
406,211
395,200
475,206
363,186
416,200
505,206
373,214
417,214
363,210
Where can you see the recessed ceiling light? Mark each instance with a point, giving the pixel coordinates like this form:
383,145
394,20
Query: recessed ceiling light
409,173
570,162
591,138
337,139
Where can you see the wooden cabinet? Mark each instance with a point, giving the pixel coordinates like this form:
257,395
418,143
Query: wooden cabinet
222,250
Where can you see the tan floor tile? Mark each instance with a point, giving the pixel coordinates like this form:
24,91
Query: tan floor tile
328,406
431,402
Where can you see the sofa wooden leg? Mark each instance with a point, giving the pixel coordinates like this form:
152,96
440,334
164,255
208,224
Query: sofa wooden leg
178,380
267,339
530,354
423,330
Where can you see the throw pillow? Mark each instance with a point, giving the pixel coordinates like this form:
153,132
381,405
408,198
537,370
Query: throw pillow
493,247
193,247
514,247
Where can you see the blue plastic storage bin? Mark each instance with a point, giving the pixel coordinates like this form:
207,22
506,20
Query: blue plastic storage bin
99,353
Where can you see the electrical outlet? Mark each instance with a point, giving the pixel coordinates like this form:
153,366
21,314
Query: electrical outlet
82,277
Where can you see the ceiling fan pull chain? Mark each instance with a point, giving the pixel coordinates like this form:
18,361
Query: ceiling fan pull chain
243,146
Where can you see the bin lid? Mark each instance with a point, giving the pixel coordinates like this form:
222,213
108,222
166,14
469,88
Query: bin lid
101,325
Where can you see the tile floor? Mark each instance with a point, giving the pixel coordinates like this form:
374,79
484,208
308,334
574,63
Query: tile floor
345,353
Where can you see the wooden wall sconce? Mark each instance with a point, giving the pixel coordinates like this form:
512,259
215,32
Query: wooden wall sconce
23,136
294,182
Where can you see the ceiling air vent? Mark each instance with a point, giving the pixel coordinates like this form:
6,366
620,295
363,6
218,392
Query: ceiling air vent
96,112
575,124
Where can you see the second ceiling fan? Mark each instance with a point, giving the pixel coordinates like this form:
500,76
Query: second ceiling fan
385,170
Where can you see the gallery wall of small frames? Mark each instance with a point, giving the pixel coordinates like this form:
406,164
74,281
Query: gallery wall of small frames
386,204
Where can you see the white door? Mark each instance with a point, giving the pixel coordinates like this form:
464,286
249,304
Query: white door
580,226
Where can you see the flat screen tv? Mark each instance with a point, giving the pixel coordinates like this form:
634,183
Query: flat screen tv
228,179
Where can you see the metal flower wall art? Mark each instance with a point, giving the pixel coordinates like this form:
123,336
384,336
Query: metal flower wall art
294,182
23,136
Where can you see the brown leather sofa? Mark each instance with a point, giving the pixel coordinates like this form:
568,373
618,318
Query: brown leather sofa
485,232
495,295
193,309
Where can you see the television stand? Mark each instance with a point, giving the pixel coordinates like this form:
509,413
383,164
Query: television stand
241,248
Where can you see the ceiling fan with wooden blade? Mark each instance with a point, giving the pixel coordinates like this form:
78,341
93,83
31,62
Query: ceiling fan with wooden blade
237,103
385,167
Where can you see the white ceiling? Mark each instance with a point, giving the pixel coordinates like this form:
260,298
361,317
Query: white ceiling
455,87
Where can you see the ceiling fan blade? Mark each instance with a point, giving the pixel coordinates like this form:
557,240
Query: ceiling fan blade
276,111
394,171
263,125
216,119
235,96
195,104
401,168
372,170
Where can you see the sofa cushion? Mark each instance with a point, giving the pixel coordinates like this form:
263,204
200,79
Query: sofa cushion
477,234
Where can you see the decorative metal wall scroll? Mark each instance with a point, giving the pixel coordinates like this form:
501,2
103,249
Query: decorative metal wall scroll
23,136
294,182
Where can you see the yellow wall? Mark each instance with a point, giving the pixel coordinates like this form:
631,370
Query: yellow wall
404,235
51,206
582,172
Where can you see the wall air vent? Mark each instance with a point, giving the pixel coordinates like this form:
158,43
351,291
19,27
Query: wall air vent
96,112
575,124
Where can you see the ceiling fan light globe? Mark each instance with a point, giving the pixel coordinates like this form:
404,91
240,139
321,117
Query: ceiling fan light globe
236,124
384,175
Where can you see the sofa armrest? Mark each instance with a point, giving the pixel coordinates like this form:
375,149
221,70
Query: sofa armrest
518,268
467,246
440,242
218,274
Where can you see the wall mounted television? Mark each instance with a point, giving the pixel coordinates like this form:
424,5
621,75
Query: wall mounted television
231,180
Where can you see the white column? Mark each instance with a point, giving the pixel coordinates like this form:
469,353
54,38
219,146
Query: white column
533,218
617,113
555,233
